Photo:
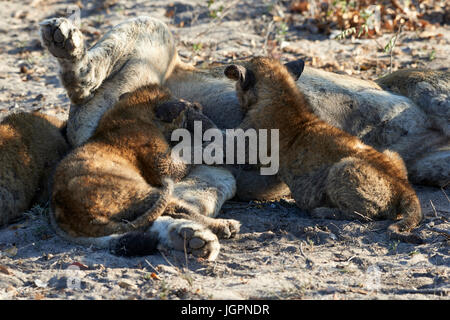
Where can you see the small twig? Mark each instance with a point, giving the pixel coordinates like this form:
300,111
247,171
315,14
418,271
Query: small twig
379,45
301,250
393,46
438,230
151,266
363,216
266,40
445,194
185,251
434,209
167,260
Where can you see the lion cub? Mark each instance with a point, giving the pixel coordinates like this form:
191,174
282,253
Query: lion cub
109,185
329,172
30,146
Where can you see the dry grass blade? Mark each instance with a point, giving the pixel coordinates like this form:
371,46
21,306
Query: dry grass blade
434,209
363,216
445,194
151,266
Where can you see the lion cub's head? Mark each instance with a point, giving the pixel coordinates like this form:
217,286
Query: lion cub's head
263,78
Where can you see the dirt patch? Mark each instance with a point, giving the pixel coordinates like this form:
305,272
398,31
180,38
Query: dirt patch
280,252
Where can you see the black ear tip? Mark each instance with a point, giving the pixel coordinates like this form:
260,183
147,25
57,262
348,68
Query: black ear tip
125,95
295,68
232,72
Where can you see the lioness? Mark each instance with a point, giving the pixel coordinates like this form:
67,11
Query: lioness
142,50
329,172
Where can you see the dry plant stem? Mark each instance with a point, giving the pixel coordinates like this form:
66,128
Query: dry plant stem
393,46
185,251
445,194
434,209
441,231
151,266
269,30
362,216
167,260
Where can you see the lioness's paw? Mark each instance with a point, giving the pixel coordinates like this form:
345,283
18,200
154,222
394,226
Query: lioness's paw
182,234
226,228
62,38
196,239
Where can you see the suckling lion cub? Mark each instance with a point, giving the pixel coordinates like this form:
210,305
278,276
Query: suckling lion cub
110,185
31,144
329,172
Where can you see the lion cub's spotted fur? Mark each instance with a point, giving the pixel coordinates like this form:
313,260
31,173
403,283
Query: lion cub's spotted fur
110,184
329,172
30,146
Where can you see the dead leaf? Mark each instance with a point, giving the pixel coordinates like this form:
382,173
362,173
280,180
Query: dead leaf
427,35
25,69
170,13
155,276
4,270
360,291
79,265
39,296
277,18
300,6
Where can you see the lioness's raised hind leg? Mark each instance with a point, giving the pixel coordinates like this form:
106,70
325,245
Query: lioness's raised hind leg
65,41
134,53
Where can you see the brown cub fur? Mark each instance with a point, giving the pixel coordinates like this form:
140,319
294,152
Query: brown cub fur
30,146
110,184
329,172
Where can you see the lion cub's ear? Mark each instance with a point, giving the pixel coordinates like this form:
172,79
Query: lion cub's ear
125,95
245,76
170,110
295,68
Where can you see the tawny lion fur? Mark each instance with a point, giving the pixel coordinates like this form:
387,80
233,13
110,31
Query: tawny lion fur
31,144
142,50
329,172
110,184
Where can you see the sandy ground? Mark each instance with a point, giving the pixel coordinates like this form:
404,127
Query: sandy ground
280,252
